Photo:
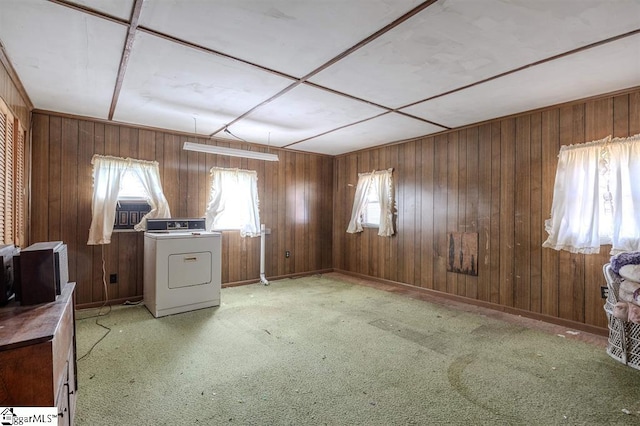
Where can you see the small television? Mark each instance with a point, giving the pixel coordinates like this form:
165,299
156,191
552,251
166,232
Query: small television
43,272
7,252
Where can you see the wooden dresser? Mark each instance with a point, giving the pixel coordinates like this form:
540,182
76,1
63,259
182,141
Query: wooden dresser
38,355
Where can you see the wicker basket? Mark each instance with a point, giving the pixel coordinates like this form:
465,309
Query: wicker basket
624,336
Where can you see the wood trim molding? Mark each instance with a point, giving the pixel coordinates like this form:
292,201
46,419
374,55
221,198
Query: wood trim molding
170,132
122,301
434,295
523,67
13,75
135,299
426,294
506,117
278,277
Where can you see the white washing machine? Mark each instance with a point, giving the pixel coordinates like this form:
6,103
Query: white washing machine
181,266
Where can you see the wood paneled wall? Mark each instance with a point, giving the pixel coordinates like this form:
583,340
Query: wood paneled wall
495,179
295,200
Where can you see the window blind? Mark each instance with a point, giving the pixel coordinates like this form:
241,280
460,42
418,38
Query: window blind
12,179
8,184
4,118
20,193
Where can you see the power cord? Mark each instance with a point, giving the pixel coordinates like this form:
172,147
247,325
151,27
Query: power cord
100,314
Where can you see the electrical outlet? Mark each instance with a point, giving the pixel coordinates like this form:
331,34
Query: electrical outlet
604,292
113,278
287,254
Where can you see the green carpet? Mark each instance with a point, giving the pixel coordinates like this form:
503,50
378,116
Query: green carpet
319,351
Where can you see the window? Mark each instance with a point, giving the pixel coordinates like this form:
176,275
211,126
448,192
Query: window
233,201
596,198
12,179
371,211
110,174
131,187
132,202
373,203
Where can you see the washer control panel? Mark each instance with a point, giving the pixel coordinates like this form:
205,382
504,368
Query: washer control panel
169,225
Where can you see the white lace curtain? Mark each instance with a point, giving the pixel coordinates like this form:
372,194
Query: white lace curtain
107,175
233,201
383,185
596,198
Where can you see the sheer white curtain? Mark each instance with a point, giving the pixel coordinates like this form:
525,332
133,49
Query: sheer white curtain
596,199
149,175
383,185
359,201
233,201
624,181
107,175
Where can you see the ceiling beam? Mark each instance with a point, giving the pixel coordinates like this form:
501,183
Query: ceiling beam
296,81
524,67
89,11
477,83
126,52
333,60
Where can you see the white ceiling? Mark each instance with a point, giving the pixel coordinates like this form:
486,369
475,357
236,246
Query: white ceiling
325,76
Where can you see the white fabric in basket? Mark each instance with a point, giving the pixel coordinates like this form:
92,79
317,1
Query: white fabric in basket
630,272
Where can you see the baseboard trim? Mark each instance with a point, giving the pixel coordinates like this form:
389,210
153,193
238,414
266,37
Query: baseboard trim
278,277
430,293
134,299
120,301
435,294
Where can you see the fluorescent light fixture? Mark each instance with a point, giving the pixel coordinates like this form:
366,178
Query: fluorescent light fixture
221,150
